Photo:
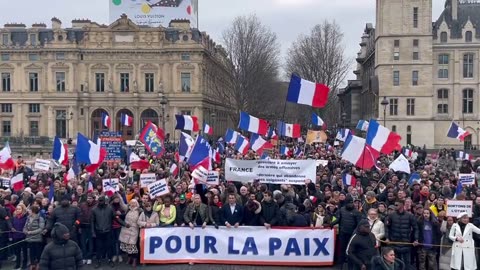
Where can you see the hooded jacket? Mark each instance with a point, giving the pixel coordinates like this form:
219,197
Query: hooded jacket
61,254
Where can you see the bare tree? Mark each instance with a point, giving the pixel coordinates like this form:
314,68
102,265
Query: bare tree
252,50
320,57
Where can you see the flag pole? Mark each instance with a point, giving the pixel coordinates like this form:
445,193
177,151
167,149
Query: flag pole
283,121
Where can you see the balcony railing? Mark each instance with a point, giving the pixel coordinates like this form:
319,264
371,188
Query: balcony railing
24,141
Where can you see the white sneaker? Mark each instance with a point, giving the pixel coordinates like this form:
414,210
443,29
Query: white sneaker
114,259
120,259
89,262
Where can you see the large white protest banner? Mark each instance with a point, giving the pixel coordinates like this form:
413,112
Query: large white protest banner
467,179
42,165
243,245
273,171
157,189
200,173
146,179
455,207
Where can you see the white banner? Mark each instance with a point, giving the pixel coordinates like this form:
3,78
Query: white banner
200,174
42,165
324,163
467,179
111,184
455,207
213,179
243,245
158,188
146,179
153,12
273,171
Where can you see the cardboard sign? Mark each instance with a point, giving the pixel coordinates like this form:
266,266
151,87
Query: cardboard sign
200,174
42,165
455,207
146,179
322,162
157,189
213,179
467,179
109,184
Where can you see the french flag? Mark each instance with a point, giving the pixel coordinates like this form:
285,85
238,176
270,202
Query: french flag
6,160
407,152
253,124
464,156
220,147
89,153
258,143
457,132
60,151
174,170
289,130
69,176
308,93
343,134
106,121
126,120
382,139
207,129
90,187
136,163
217,157
298,151
187,122
349,180
185,146
284,150
231,136
317,121
362,125
16,182
272,134
200,155
356,151
242,145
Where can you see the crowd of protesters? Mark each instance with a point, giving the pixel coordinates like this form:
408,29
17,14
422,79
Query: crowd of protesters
383,221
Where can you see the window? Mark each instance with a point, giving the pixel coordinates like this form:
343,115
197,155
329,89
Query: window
410,106
467,106
468,65
5,39
394,128
415,17
60,56
61,123
6,107
443,37
186,112
100,82
185,57
415,77
6,82
5,57
393,106
396,43
396,78
6,128
34,108
149,82
467,142
33,57
443,59
415,56
124,82
409,135
442,107
443,70
33,78
415,43
33,39
468,36
60,79
185,82
34,128
396,56
443,73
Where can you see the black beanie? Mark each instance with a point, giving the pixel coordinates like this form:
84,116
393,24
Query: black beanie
59,230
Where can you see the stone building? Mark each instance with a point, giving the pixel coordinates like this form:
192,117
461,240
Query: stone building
58,81
428,72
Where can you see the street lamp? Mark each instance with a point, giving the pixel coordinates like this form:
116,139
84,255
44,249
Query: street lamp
163,104
384,103
344,118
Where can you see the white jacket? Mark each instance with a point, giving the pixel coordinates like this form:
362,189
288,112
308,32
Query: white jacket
378,229
467,248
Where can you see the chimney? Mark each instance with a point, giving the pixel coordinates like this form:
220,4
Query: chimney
39,25
80,23
454,10
56,23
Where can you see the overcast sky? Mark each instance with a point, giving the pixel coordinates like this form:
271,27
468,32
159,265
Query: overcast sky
287,18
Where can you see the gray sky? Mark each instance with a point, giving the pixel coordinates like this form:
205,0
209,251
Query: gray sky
287,18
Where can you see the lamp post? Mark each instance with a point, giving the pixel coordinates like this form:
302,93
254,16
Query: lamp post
163,104
384,103
68,126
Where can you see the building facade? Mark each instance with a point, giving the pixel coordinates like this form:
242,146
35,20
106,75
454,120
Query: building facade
58,81
427,74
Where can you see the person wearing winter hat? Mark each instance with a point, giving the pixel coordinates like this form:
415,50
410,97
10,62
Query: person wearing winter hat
361,248
67,215
62,253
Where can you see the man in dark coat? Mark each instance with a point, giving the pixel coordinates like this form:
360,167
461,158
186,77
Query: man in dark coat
67,215
348,218
62,253
270,211
361,248
232,213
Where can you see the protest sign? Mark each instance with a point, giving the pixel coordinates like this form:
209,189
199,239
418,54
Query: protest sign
273,171
243,245
467,179
42,165
322,162
213,178
455,207
200,173
109,184
112,142
158,188
146,179
4,182
316,136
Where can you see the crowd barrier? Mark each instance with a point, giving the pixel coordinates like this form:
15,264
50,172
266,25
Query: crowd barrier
245,245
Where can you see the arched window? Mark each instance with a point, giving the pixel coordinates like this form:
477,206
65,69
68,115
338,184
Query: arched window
468,36
409,135
149,115
467,142
97,125
127,131
443,37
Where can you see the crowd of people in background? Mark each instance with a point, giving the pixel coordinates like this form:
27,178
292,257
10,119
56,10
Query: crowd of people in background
383,221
